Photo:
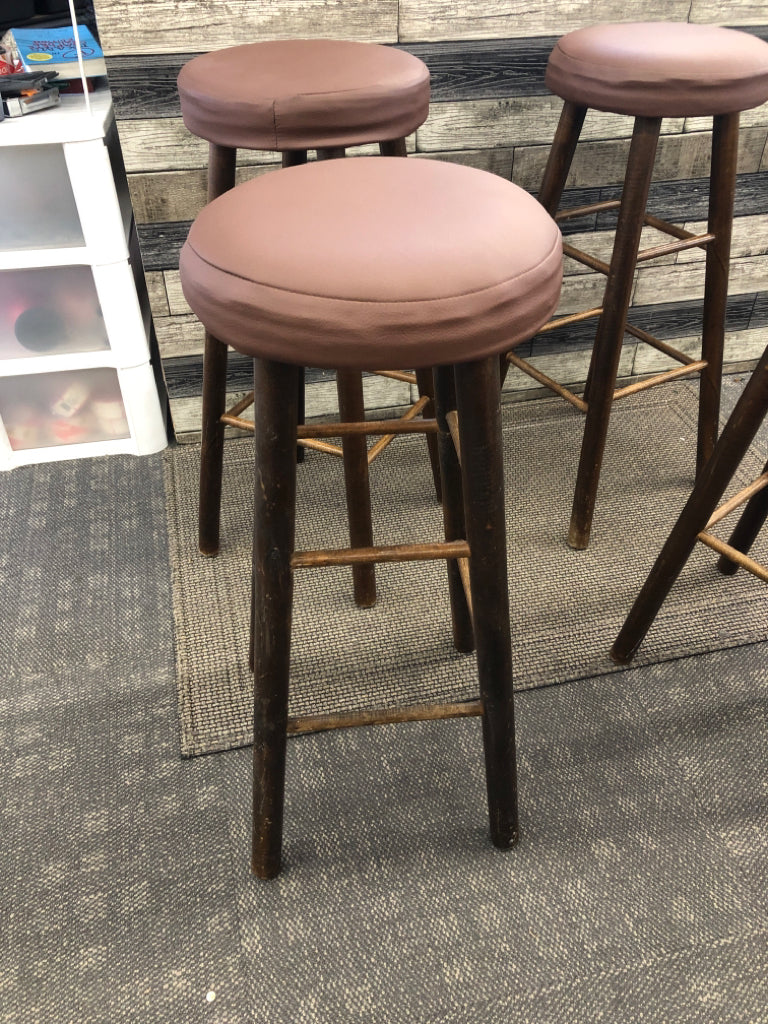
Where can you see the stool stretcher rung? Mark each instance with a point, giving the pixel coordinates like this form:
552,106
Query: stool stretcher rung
320,446
666,250
548,382
738,499
667,228
243,404
414,411
572,318
744,561
391,553
409,378
659,378
660,345
452,419
401,426
299,724
584,257
463,564
580,211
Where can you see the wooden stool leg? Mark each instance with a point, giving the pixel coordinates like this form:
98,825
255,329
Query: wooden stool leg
393,147
275,412
453,506
478,396
737,435
561,156
610,329
221,178
722,186
425,384
745,534
294,158
349,385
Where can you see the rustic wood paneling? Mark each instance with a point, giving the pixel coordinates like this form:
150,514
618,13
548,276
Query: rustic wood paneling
492,19
602,163
715,12
657,284
168,26
158,298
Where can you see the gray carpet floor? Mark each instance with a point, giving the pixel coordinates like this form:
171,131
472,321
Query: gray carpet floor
637,893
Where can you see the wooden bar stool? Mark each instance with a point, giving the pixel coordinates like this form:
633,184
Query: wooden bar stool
291,97
649,71
701,513
447,267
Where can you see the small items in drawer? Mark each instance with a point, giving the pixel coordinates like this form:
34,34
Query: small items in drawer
72,407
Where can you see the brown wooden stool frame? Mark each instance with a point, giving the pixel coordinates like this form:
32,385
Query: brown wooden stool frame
700,514
473,510
354,451
600,391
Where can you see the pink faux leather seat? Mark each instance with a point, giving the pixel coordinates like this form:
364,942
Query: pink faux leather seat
660,69
378,262
303,94
648,70
409,271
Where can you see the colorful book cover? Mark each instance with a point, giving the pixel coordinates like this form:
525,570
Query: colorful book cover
54,49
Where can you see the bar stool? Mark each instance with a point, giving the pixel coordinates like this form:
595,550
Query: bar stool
290,97
649,71
700,514
463,264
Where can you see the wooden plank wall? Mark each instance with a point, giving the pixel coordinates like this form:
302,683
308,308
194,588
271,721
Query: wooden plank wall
490,108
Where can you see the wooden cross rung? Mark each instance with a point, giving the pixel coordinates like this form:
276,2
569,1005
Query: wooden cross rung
572,318
670,247
738,499
659,378
548,382
743,560
244,402
401,426
660,345
452,419
667,228
299,724
404,375
411,414
580,211
584,257
391,553
320,446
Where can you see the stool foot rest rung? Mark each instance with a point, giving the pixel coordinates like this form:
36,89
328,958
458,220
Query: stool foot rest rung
300,724
734,555
744,495
411,414
386,553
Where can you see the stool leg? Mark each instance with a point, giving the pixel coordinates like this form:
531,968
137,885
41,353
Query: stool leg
478,396
425,385
453,506
561,156
722,186
397,147
737,435
294,158
349,386
745,534
221,178
275,414
604,365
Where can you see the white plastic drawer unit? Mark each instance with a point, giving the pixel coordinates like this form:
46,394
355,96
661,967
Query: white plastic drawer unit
71,407
48,313
39,208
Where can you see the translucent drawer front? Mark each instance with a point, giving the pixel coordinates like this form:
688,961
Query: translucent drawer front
72,407
39,210
49,311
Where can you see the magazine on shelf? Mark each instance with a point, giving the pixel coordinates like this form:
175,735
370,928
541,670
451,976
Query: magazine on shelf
53,49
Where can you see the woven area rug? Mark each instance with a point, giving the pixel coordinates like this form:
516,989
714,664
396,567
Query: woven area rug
567,606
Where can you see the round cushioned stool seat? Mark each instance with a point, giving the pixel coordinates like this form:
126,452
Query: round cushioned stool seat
374,261
303,94
660,69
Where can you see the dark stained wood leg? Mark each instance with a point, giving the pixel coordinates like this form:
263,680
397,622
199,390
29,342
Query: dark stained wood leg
332,153
221,178
275,413
604,365
745,534
482,470
737,435
453,505
425,385
561,156
722,186
349,385
294,158
393,147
